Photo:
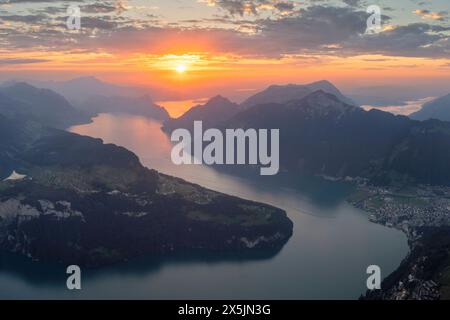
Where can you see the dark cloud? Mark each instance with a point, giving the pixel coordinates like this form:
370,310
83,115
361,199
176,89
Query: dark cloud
100,22
417,39
36,1
314,27
21,61
38,18
317,29
98,7
353,3
428,14
241,7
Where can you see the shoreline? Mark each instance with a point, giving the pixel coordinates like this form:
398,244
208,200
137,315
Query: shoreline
422,213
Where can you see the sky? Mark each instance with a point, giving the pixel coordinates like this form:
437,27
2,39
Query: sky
203,47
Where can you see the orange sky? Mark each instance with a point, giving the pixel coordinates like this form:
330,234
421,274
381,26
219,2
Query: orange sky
202,48
203,73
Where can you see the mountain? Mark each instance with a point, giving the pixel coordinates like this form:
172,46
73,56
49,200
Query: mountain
79,89
283,94
13,140
213,113
80,201
322,135
42,105
142,106
436,109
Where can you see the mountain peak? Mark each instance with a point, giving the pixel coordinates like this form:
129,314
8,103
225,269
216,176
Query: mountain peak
321,103
322,94
321,82
86,79
285,93
219,101
217,110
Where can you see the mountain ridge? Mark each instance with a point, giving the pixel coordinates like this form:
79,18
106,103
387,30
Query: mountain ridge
341,140
213,113
285,93
43,105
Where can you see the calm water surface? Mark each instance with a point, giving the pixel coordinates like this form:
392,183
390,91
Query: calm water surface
332,245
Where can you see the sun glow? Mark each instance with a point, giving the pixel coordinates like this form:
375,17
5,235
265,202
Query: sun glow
176,63
181,68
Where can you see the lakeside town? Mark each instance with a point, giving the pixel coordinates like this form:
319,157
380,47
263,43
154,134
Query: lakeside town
421,212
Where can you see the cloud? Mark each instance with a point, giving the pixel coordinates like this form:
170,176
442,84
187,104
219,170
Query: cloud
38,1
427,14
38,18
98,7
317,29
21,61
414,40
353,3
252,7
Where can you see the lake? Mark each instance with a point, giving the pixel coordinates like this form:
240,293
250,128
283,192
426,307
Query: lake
326,258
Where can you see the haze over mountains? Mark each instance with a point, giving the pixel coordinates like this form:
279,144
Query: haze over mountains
436,109
141,106
78,89
88,96
394,95
41,105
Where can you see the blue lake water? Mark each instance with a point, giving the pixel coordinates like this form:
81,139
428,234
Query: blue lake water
326,258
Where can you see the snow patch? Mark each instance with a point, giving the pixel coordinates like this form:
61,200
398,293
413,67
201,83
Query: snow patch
15,176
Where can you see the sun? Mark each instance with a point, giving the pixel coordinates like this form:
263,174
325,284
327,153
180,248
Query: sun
181,68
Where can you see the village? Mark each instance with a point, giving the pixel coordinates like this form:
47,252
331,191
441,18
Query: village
408,209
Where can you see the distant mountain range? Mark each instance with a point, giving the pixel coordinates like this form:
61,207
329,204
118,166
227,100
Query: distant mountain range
92,97
436,109
79,89
219,109
283,94
141,106
321,134
41,105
